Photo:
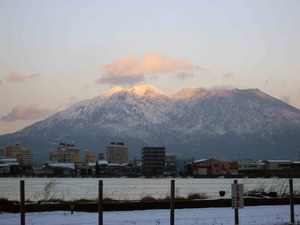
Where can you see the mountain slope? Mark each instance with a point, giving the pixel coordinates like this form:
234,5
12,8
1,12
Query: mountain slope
193,122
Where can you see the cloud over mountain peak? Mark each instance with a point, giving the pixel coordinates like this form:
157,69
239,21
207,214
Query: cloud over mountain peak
131,70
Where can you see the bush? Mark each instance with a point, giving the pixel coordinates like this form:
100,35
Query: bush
148,198
192,196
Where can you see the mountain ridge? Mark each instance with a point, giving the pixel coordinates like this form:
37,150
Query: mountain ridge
192,122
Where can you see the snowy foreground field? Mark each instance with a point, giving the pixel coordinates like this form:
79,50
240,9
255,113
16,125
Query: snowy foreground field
259,215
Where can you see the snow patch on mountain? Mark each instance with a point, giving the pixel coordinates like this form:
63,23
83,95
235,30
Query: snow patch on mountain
113,91
146,90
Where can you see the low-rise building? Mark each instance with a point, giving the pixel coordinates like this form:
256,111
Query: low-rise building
9,166
215,167
278,165
59,168
251,167
280,168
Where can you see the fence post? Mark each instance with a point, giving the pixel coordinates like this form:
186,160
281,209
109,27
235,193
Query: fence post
100,202
292,201
172,203
22,201
236,211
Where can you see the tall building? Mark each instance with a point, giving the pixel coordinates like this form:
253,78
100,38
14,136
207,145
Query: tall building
89,156
65,153
23,156
153,159
2,153
13,150
117,153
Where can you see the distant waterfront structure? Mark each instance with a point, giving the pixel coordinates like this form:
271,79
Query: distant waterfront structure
65,153
153,159
117,152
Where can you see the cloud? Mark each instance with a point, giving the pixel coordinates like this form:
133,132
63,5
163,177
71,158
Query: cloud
184,75
15,77
227,75
1,82
23,112
34,111
132,70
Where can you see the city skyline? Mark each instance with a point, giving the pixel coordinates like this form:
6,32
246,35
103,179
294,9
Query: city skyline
57,53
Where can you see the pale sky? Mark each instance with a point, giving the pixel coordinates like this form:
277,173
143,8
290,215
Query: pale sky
55,53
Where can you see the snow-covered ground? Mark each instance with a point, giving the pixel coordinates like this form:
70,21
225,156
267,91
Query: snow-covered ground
259,215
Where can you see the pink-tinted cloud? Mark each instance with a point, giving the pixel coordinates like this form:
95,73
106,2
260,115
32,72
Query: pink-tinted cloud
30,112
15,77
132,70
184,75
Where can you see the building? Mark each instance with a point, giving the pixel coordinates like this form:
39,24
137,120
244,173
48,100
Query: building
67,168
153,159
89,157
215,167
2,153
9,166
280,168
24,157
171,158
117,153
12,150
65,153
278,165
251,167
101,156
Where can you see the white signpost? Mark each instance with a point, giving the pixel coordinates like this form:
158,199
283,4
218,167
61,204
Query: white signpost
237,192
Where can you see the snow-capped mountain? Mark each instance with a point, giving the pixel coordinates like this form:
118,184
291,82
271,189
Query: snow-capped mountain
193,122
